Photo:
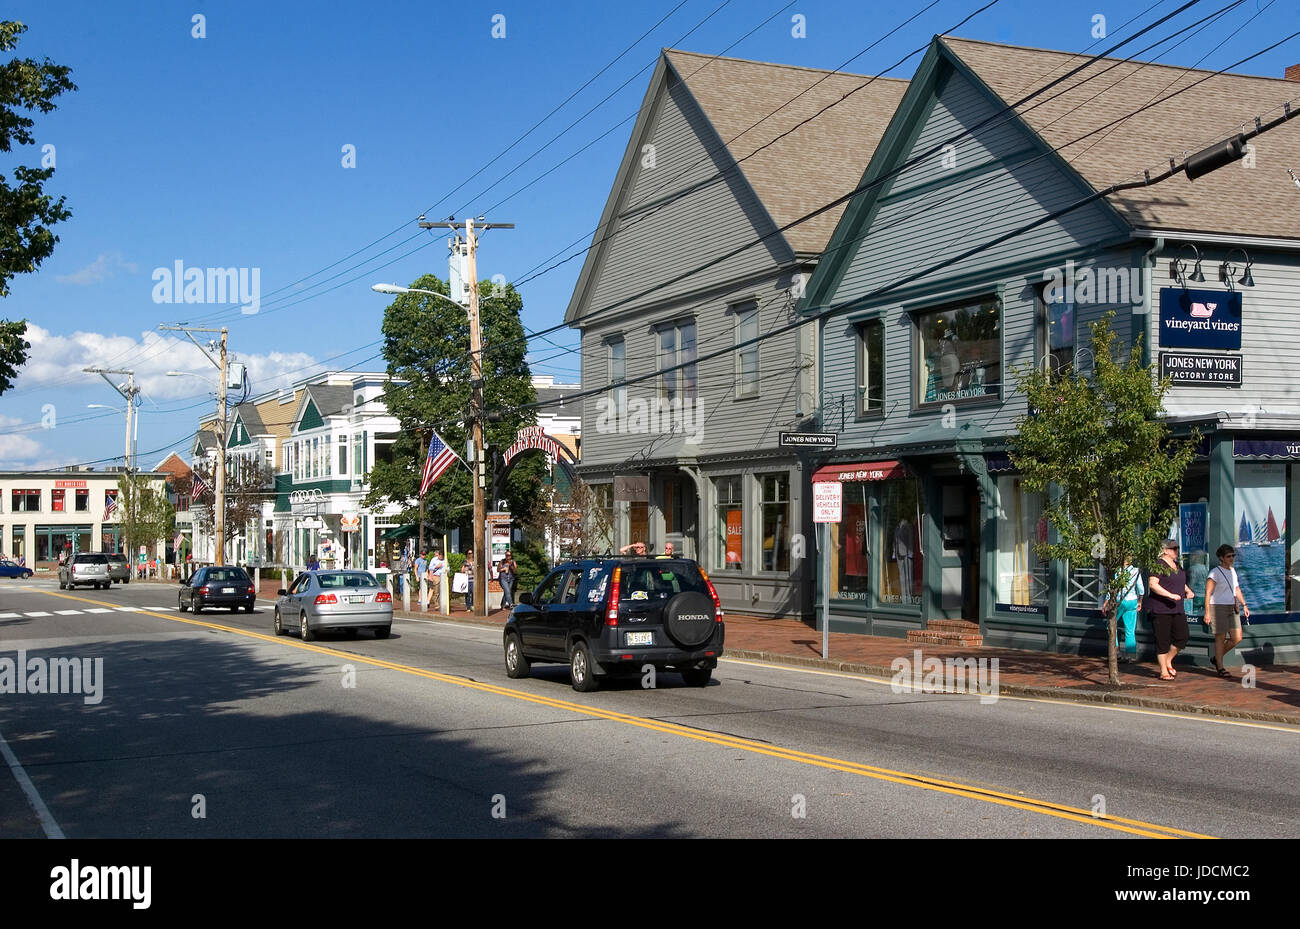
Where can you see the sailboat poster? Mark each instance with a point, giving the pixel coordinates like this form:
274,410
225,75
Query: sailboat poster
1260,540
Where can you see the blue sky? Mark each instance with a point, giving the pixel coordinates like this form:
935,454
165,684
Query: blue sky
227,151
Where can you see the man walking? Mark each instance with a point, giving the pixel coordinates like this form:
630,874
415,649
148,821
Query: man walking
421,567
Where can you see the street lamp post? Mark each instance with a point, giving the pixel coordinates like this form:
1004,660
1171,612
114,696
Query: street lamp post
479,465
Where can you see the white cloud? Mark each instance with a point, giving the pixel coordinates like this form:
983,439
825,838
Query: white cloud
17,451
101,269
57,361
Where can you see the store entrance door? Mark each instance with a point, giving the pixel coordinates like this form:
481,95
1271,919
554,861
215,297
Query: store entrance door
960,559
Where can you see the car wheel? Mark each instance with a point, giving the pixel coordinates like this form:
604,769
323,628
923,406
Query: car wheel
580,673
62,586
279,623
197,603
304,630
180,603
383,632
126,580
697,677
27,576
249,608
517,665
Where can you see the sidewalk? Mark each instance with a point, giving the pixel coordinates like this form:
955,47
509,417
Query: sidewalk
1198,689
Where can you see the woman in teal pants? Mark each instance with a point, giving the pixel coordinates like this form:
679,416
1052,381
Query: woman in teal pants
1130,602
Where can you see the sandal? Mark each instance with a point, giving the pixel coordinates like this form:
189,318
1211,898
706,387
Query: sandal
1164,677
1224,672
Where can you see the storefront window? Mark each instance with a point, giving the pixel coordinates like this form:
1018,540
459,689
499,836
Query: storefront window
1261,536
897,545
1022,577
730,523
18,548
960,352
850,569
776,521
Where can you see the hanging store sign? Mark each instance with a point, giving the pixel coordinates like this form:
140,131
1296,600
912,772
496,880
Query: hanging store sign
1200,318
808,439
632,488
350,522
314,495
1199,370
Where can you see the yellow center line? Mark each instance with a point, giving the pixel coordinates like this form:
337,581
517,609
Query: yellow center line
956,788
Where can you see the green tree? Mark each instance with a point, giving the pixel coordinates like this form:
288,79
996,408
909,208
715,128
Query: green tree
26,211
1097,447
145,514
426,344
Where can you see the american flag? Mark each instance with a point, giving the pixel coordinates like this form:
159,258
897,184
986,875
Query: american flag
439,460
110,508
198,488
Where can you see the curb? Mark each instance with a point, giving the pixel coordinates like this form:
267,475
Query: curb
1020,690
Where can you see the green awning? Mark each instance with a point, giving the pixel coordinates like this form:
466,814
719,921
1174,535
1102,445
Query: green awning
397,533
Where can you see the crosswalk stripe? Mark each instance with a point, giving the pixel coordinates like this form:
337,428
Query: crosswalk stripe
67,612
98,609
37,613
10,615
128,609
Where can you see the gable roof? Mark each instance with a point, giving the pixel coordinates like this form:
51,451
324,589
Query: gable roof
247,413
1234,200
818,161
330,399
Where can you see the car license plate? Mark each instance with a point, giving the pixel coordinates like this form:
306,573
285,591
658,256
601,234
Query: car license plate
227,590
356,599
640,638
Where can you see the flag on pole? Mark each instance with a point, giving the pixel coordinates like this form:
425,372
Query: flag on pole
438,461
198,489
110,508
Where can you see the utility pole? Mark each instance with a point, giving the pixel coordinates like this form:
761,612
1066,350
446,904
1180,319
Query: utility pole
481,543
219,500
128,452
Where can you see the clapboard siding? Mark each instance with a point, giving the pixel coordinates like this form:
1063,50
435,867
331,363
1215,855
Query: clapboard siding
650,247
1000,180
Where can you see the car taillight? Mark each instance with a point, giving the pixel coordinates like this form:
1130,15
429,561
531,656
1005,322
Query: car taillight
717,604
203,590
611,602
326,598
251,590
383,597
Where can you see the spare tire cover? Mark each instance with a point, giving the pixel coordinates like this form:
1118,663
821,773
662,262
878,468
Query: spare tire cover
689,618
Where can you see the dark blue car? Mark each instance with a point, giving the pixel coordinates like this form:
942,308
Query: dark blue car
11,569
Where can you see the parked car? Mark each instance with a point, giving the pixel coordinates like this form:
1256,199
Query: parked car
12,569
85,568
613,616
337,601
217,585
119,567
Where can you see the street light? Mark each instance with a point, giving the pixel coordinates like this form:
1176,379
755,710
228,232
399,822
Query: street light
478,466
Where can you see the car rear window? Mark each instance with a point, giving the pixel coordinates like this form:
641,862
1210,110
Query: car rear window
346,580
90,558
117,559
659,580
227,575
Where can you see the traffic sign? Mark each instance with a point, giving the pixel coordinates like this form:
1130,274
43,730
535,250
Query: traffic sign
828,501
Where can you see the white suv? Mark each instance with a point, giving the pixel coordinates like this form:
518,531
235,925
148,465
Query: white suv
85,568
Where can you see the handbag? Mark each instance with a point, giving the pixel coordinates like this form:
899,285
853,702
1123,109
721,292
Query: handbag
460,583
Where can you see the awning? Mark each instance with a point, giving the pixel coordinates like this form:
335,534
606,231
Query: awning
1266,448
861,471
397,533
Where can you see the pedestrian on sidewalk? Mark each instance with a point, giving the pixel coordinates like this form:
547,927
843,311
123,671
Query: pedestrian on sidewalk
1225,606
507,571
1165,605
468,568
1130,604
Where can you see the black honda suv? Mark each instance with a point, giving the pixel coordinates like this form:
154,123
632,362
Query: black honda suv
613,616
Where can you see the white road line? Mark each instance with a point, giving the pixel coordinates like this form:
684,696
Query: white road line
10,615
52,830
98,609
128,609
67,612
37,613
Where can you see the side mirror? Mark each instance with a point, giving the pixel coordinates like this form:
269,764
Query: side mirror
282,592
526,598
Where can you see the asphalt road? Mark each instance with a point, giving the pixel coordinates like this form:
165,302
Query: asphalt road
212,726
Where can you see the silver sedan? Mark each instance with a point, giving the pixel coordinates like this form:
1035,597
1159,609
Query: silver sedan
336,601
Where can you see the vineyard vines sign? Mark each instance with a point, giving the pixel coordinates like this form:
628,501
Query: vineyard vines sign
307,496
